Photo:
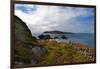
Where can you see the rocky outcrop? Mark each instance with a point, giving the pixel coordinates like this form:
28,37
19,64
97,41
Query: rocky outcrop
25,51
22,32
39,50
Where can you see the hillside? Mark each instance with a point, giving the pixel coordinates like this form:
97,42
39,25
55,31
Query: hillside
26,51
57,32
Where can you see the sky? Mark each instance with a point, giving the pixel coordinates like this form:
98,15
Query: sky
41,18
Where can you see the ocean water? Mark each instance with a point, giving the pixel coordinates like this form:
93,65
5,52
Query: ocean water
83,38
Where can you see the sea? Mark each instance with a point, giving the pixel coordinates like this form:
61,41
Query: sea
83,38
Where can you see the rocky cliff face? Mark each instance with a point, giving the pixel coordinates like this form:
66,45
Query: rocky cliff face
22,32
25,51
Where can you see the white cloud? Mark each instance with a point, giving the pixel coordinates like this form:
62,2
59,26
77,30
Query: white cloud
51,18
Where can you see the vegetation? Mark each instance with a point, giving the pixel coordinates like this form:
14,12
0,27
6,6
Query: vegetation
59,53
43,51
24,42
22,53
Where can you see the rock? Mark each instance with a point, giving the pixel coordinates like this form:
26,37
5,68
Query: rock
39,51
25,52
22,32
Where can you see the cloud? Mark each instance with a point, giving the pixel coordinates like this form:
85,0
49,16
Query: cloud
41,18
25,9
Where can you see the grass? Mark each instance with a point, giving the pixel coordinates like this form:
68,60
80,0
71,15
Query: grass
59,53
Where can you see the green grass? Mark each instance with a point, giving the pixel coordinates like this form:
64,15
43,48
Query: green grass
59,53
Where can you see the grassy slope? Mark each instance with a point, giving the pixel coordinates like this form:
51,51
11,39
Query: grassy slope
59,53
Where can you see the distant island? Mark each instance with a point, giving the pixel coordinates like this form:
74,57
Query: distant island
57,32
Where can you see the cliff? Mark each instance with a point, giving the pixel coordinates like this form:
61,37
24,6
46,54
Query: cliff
25,51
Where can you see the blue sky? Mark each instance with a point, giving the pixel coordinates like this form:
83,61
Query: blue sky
25,9
40,18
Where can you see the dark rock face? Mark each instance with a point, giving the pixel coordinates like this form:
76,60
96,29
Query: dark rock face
22,32
25,52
